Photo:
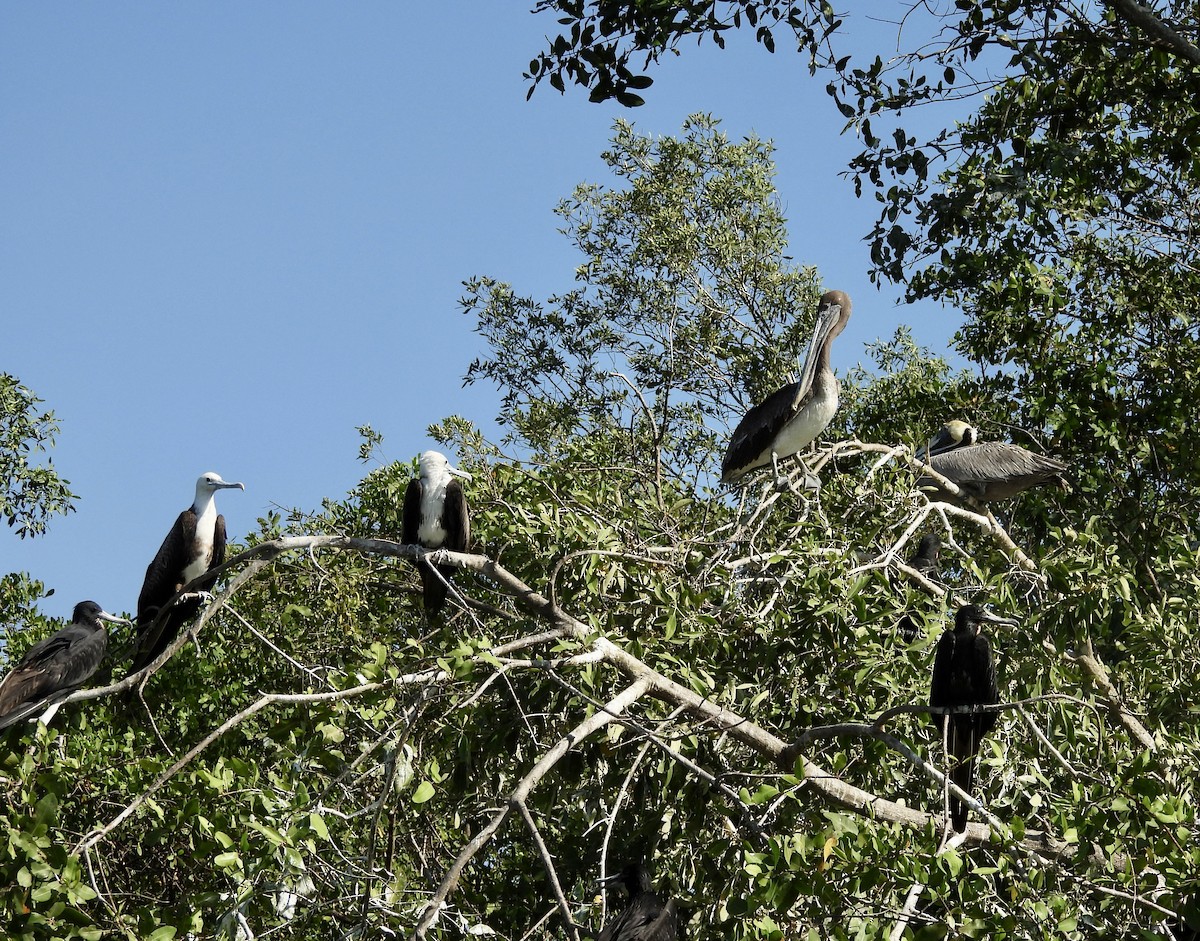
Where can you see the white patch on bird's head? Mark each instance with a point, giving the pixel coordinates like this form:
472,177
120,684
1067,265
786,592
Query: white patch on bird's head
437,470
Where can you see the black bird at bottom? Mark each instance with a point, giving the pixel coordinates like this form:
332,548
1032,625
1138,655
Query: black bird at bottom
645,916
53,668
964,674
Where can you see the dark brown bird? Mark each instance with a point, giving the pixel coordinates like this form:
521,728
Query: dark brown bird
195,545
964,674
792,417
53,668
986,470
645,916
925,559
435,516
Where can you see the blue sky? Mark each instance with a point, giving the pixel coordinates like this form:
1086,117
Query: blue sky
230,233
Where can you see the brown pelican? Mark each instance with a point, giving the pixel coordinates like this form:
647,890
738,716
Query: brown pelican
436,517
964,674
51,669
792,417
987,470
645,916
195,545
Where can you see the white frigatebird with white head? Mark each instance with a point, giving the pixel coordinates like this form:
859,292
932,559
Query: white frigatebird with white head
792,417
55,667
436,517
985,470
195,545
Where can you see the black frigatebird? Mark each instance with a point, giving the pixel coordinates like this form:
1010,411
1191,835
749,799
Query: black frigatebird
964,674
645,916
55,667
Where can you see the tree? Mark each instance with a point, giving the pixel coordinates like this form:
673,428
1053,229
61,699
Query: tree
29,494
635,665
1059,216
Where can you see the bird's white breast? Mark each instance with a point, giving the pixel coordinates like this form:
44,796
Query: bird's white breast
206,526
433,497
807,424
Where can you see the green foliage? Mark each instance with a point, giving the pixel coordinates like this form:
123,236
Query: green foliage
29,494
315,766
686,311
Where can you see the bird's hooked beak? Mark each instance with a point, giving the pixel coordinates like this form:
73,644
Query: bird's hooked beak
455,472
993,618
112,618
609,879
230,485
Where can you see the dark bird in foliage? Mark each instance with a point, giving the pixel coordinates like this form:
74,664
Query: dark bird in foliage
964,674
792,417
925,559
195,545
985,470
436,517
645,916
55,667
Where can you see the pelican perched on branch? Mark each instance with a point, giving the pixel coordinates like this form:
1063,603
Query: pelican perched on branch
792,417
986,470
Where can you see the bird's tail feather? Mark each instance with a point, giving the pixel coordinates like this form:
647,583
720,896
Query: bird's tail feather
962,773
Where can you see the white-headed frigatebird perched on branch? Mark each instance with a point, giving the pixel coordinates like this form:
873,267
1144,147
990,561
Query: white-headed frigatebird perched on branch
53,668
986,470
436,517
964,674
792,417
195,545
645,916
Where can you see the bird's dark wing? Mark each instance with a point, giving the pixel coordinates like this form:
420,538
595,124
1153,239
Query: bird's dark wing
60,662
943,669
983,669
35,705
164,570
964,743
410,519
758,428
55,645
645,919
666,926
996,464
456,519
162,583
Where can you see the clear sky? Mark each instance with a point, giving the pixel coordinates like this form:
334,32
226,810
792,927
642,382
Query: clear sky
232,232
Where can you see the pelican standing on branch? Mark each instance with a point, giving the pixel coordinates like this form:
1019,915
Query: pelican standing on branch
195,545
792,417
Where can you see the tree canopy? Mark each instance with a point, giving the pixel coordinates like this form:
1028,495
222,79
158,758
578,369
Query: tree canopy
637,664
